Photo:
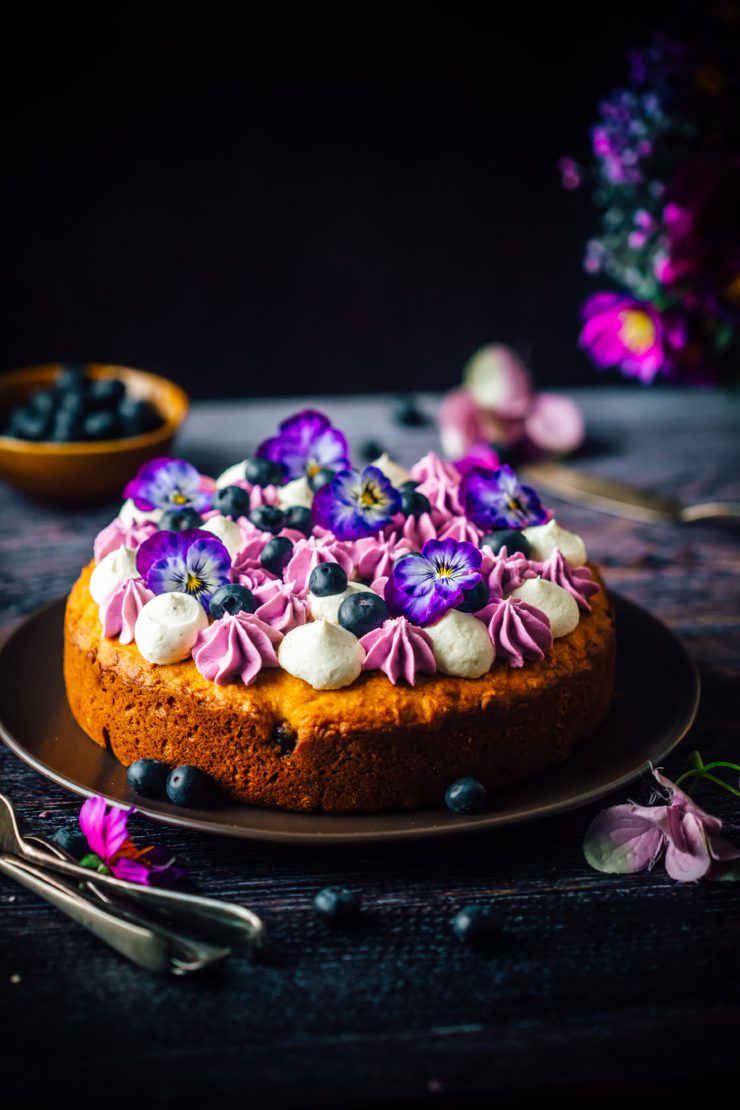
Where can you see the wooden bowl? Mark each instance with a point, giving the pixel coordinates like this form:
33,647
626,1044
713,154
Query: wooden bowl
80,471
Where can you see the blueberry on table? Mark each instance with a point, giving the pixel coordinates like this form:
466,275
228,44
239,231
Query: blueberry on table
231,598
148,777
509,538
231,501
320,478
361,612
370,450
466,796
407,413
414,503
299,517
338,905
268,518
276,555
474,599
72,840
179,520
189,786
264,472
327,579
476,926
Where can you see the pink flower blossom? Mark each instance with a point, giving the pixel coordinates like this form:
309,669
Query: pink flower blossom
106,830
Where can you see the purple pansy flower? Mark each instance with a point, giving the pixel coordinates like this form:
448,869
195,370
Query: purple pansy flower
191,562
354,505
496,499
305,444
621,331
424,586
168,484
113,851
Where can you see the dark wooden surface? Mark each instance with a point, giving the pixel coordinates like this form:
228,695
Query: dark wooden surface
603,988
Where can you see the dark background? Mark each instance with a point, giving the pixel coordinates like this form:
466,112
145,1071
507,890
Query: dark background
345,208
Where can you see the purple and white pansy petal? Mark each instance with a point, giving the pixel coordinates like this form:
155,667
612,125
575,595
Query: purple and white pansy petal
423,587
168,484
496,499
191,562
305,444
356,504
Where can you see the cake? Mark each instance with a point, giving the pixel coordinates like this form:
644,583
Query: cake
322,638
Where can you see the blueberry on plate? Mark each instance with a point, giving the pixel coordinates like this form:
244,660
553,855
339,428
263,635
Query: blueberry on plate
327,579
231,501
338,905
264,472
148,777
299,517
231,598
189,786
268,518
320,478
276,555
509,538
179,520
414,503
72,839
476,926
474,599
466,796
361,612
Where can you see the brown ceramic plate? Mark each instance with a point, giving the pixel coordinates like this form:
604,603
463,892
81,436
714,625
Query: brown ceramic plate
655,702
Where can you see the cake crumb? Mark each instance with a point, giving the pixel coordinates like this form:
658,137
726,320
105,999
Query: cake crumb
15,978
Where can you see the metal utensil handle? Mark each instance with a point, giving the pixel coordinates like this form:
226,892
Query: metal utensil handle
711,510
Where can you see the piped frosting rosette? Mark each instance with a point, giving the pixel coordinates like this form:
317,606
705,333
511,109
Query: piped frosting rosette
236,647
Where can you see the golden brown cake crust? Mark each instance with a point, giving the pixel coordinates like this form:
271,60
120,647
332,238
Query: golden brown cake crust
367,747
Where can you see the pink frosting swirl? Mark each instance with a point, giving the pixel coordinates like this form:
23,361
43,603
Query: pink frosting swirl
236,647
280,606
578,581
119,609
443,497
376,554
118,534
432,466
247,562
413,530
460,528
505,572
399,650
518,631
308,553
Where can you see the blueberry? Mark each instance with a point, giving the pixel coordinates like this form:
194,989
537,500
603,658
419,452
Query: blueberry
414,503
361,612
30,425
189,786
338,905
264,472
509,538
298,517
67,427
72,839
71,379
406,412
231,501
476,926
100,425
466,796
320,478
370,450
178,520
268,518
327,579
410,484
474,599
105,393
44,402
148,777
138,417
276,554
233,599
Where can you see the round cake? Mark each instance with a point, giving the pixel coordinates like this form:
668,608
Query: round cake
321,638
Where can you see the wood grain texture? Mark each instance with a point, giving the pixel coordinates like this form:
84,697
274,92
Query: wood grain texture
601,986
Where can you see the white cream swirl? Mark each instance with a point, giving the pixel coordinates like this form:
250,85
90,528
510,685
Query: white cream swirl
560,607
129,514
231,475
324,655
327,608
544,538
168,626
228,531
395,474
116,567
461,645
297,492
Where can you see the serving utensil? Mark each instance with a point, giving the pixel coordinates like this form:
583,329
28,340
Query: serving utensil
620,499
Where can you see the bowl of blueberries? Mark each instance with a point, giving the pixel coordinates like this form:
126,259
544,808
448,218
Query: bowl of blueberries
75,432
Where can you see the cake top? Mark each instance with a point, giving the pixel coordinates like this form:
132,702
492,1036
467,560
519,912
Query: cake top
296,559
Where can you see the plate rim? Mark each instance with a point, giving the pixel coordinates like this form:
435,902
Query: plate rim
463,825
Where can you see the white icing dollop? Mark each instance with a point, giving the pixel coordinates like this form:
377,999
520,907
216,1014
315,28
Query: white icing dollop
327,608
395,474
129,514
231,475
461,645
228,531
297,492
115,567
560,607
324,655
168,626
544,538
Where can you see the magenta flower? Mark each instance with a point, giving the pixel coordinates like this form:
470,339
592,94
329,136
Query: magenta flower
422,587
191,562
113,852
496,499
628,838
169,484
305,444
621,331
354,505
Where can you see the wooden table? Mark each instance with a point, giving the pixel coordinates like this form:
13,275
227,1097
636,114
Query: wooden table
602,984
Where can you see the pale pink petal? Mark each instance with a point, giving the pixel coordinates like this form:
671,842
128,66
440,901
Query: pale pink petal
92,823
554,424
687,855
625,838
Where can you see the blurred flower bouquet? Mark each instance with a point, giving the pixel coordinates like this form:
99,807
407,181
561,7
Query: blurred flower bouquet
666,176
